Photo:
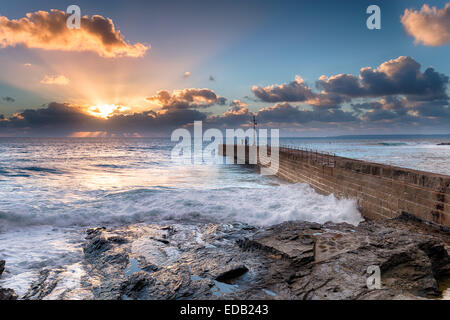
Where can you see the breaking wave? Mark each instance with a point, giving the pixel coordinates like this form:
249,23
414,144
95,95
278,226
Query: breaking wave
256,206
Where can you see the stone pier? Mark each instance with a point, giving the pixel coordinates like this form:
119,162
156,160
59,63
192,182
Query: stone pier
382,191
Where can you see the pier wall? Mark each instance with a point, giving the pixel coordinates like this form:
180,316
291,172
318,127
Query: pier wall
382,191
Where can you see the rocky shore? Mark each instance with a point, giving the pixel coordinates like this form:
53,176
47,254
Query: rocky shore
293,260
6,294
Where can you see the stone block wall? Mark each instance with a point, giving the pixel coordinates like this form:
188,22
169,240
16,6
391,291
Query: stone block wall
382,191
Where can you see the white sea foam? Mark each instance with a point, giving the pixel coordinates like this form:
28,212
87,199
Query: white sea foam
256,206
29,250
263,205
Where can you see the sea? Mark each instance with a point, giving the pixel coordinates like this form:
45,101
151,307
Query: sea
53,189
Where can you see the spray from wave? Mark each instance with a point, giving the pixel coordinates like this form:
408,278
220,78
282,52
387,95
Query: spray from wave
256,206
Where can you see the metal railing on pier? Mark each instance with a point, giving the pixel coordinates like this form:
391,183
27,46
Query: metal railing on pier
322,158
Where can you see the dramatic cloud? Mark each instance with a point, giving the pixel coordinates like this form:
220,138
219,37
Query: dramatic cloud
8,99
279,115
295,91
397,91
58,80
386,109
69,120
66,120
186,99
401,110
434,110
150,121
282,113
48,31
234,117
393,104
429,26
401,76
395,94
54,116
238,103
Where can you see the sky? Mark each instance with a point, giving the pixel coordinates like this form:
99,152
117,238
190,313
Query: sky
145,68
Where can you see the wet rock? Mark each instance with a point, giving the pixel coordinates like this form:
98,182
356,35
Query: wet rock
133,286
43,286
232,274
410,262
162,240
150,268
292,260
97,246
6,294
2,267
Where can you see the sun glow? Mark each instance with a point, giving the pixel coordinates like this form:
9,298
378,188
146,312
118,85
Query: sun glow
106,110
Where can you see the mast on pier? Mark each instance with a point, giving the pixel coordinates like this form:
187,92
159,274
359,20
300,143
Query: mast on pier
254,130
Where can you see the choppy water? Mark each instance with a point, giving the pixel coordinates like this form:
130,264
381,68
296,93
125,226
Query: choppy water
415,152
51,190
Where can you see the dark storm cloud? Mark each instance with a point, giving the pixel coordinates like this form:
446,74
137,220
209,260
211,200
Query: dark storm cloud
8,99
401,110
344,84
401,76
389,103
438,109
379,115
286,113
297,91
54,115
396,92
279,114
64,119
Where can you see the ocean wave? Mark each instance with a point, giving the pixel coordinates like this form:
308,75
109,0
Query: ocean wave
112,166
256,206
392,144
42,169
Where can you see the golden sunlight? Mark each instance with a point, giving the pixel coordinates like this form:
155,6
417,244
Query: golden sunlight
106,110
